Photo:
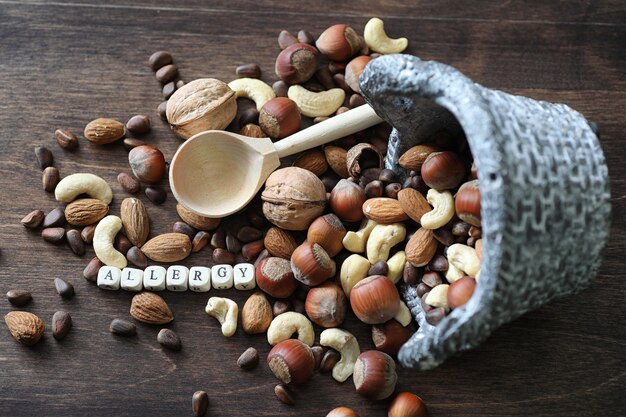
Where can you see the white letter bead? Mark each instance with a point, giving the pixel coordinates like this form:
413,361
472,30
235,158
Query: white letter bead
199,279
109,278
177,276
222,277
154,278
132,279
244,276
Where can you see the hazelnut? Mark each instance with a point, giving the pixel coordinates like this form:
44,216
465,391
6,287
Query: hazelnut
361,157
390,336
291,361
346,201
375,375
460,291
296,63
311,264
407,404
339,42
328,232
147,163
279,117
275,277
293,198
375,299
354,69
342,412
326,305
467,203
443,170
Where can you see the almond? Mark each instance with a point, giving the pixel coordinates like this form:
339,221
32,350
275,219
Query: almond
336,158
413,203
85,211
421,248
279,243
415,157
25,327
102,131
168,247
135,220
195,220
256,314
147,307
384,210
314,161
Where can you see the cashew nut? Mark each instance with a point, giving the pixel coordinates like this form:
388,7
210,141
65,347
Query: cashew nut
382,239
442,212
225,311
355,241
403,316
103,238
464,258
319,104
74,185
478,245
353,270
438,296
378,41
346,344
395,266
255,90
453,273
286,324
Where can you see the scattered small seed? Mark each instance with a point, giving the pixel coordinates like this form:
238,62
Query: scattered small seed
280,307
249,359
179,84
138,124
248,70
435,315
33,219
90,273
129,183
280,88
318,354
156,194
61,324
285,39
136,257
169,339
53,234
87,233
379,268
219,239
283,394
159,59
50,178
66,139
222,256
306,37
19,297
44,157
184,228
232,243
75,242
199,403
329,360
122,244
64,288
122,327
168,90
356,100
130,143
166,73
200,240
162,110
56,218
249,116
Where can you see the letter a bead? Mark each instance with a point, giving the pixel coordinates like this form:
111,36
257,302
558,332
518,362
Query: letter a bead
109,278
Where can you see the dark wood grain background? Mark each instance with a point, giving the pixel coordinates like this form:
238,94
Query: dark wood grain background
66,62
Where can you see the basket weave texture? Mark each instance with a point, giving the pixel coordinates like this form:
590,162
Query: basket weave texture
544,194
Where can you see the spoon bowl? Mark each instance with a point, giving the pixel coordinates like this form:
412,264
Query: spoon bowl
216,173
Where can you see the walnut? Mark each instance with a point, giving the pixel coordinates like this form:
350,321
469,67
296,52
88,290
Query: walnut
293,198
203,104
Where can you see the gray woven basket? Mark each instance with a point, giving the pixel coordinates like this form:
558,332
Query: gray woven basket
544,194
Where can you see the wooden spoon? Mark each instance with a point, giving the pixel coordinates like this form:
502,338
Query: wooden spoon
216,173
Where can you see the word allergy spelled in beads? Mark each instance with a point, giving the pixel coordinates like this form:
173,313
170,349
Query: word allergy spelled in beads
178,278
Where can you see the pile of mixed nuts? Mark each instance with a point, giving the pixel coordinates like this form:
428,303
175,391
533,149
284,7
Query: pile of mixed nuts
334,231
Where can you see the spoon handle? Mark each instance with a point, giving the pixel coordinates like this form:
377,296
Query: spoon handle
334,128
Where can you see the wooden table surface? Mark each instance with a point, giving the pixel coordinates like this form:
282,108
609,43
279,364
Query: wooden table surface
66,62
